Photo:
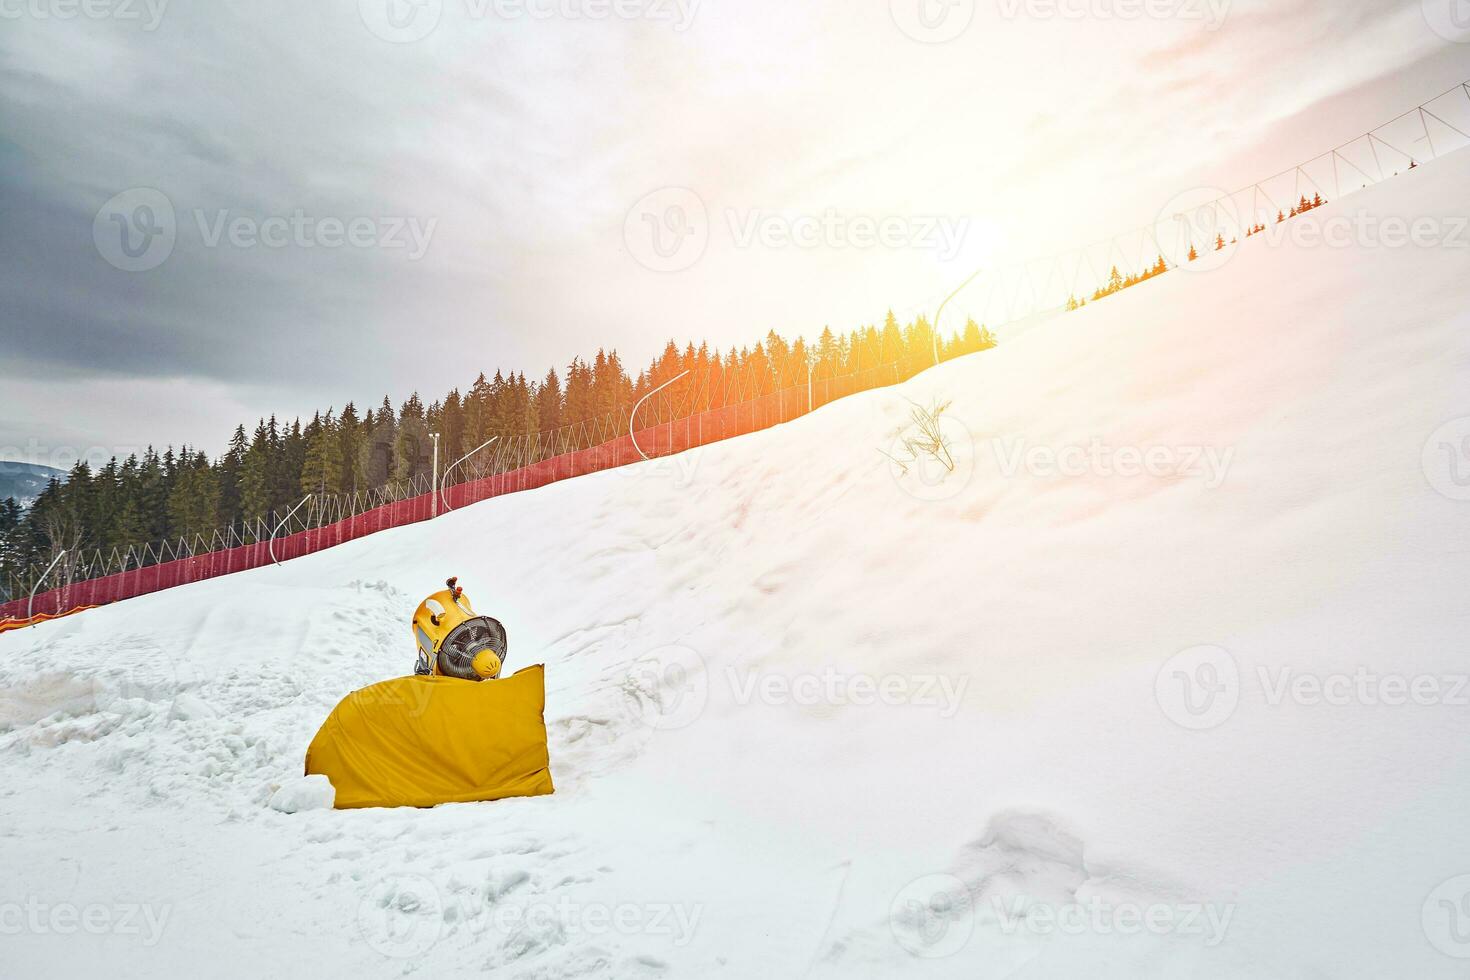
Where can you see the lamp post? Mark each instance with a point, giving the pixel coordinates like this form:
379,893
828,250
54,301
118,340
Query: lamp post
271,547
435,483
439,487
31,603
634,414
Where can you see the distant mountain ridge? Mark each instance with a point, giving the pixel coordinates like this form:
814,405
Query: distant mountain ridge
24,481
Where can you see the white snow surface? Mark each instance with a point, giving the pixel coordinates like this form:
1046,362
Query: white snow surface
1010,629
306,793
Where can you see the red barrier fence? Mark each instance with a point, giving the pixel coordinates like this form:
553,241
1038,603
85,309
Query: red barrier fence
663,439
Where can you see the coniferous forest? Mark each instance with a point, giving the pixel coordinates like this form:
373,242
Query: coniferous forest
266,467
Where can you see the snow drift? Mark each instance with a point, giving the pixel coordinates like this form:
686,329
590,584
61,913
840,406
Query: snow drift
1159,682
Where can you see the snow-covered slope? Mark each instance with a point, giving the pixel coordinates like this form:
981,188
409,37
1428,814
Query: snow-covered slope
814,717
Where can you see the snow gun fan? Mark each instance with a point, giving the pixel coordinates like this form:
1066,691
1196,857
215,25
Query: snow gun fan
454,732
455,642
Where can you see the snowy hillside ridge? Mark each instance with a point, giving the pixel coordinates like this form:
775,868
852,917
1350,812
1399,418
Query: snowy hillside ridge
1160,679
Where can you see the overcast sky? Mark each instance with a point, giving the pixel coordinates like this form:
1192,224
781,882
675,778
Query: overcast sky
350,198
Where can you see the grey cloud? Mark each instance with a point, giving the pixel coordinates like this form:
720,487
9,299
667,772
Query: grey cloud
526,142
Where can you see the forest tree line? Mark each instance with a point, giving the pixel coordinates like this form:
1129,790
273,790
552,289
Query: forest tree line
267,468
1117,282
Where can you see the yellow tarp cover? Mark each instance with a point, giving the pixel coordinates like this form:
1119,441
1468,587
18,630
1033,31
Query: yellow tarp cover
421,741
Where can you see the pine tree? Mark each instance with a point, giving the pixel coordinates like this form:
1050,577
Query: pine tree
497,406
891,341
12,549
828,354
548,402
230,464
920,344
291,458
321,469
104,499
58,515
477,417
128,529
577,402
971,339
778,355
349,449
798,364
255,476
526,404
622,385
451,424
193,503
604,386
77,501
125,527
153,496
378,446
411,443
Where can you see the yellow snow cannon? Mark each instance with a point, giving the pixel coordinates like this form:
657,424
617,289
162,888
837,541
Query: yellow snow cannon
454,732
453,641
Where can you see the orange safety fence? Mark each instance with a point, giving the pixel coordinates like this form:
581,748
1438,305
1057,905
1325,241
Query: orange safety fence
6,625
